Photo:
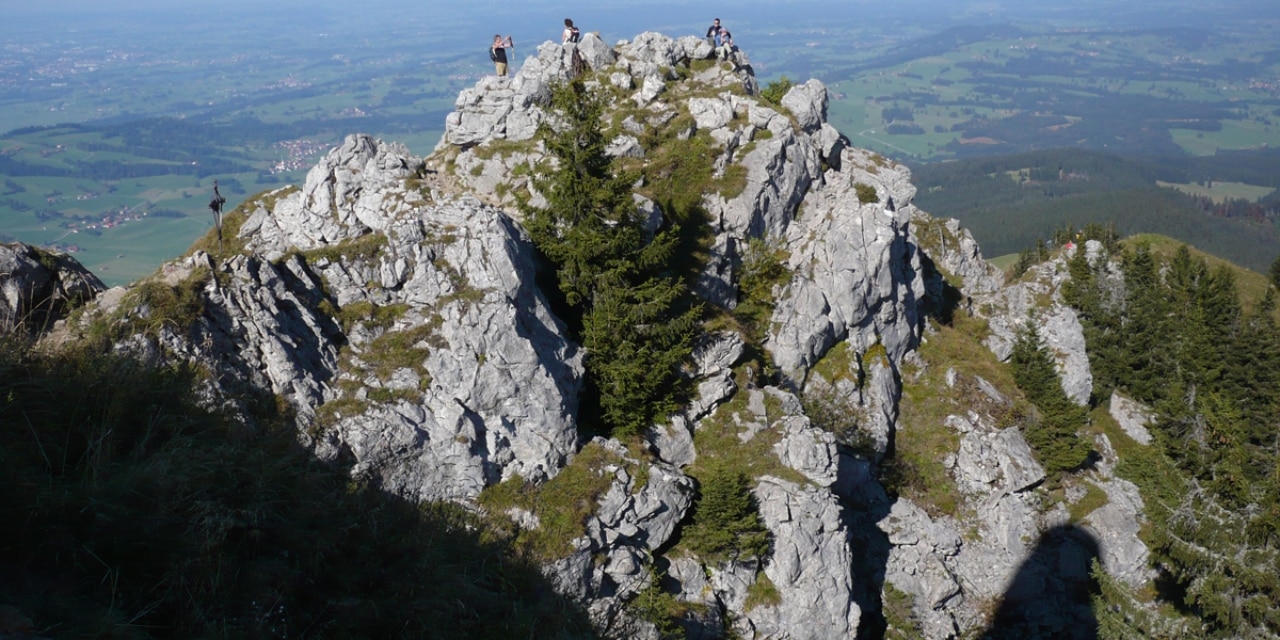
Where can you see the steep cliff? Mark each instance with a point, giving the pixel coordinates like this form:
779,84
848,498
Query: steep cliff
393,304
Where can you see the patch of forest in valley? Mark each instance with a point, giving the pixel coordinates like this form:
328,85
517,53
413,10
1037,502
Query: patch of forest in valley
1227,204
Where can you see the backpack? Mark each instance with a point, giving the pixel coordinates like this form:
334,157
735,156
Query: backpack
574,36
493,55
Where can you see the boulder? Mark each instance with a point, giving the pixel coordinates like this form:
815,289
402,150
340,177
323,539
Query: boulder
39,286
810,565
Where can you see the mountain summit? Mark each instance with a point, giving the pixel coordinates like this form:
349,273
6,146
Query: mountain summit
847,460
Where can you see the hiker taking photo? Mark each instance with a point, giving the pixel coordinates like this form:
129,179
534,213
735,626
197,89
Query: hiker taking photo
498,54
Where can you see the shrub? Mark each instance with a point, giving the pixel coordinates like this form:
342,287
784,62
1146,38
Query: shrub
761,271
776,90
866,193
726,520
654,605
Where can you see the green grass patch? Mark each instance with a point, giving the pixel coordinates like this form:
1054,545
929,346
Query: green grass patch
406,349
923,440
718,441
840,362
899,616
562,504
372,316
1004,262
502,148
1094,498
762,593
149,308
331,412
366,247
1234,135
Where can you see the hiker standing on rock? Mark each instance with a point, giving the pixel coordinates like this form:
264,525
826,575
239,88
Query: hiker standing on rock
571,34
498,54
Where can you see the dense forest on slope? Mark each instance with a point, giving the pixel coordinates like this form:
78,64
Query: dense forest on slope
1171,332
1008,202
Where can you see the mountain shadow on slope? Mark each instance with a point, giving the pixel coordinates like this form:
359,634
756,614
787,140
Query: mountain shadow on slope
133,512
1050,596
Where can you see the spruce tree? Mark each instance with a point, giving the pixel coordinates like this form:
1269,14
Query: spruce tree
1054,436
633,316
726,521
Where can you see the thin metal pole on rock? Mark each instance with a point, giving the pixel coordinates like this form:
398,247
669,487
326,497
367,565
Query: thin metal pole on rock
216,206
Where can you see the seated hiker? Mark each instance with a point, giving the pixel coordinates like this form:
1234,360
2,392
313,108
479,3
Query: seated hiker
571,35
724,44
498,54
713,33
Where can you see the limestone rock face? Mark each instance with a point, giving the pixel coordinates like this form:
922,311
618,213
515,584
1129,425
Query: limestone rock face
1059,327
348,194
954,249
810,566
808,103
855,273
1133,417
37,287
511,108
437,367
1116,524
391,307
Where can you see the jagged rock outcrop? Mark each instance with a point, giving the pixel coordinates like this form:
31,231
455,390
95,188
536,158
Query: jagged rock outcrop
1009,308
864,267
38,287
610,564
948,573
406,333
510,110
1116,524
400,324
810,566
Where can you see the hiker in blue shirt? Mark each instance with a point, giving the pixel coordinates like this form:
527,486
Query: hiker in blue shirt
724,44
713,32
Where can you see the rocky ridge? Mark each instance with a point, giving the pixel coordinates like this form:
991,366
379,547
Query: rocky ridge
403,327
